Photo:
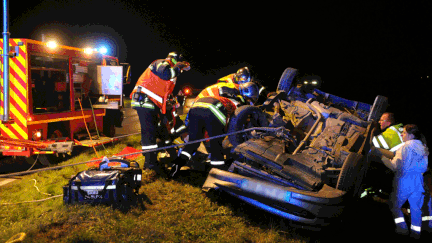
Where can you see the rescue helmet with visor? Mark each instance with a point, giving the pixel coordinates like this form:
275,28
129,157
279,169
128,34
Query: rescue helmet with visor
175,57
243,75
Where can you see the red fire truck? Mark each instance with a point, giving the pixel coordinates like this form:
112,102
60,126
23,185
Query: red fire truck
59,97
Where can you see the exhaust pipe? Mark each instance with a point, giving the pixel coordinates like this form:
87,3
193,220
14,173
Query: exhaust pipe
5,54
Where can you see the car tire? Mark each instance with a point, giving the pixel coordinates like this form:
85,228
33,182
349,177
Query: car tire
352,172
287,79
379,106
245,117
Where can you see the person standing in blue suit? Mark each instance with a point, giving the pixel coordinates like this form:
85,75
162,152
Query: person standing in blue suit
409,164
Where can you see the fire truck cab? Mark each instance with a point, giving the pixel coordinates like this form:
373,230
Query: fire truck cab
59,96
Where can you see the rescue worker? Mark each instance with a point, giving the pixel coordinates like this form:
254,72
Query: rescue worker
228,86
221,89
243,75
385,144
149,99
390,138
210,113
409,164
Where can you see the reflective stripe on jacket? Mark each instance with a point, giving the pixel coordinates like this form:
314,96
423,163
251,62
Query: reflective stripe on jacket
228,79
219,106
156,88
228,90
390,139
148,105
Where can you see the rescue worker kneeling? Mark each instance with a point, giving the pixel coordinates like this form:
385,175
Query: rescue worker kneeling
211,114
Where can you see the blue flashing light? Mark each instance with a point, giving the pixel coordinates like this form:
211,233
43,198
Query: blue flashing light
103,50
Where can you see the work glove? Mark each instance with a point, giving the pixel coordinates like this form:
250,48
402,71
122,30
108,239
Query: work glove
184,66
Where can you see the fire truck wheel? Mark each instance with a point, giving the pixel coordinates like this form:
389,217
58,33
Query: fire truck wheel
56,130
56,134
109,130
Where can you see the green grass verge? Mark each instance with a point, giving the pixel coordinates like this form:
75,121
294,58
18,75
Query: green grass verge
168,211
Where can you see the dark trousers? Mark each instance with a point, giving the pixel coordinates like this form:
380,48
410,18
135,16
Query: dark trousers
149,119
201,120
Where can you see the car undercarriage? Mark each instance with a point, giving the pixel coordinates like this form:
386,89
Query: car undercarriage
311,167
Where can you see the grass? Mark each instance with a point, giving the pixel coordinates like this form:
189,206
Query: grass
167,211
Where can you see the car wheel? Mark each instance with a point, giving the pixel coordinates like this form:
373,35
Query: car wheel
286,79
352,172
245,117
379,106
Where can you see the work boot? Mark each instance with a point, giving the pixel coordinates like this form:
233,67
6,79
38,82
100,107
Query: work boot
151,163
415,235
402,230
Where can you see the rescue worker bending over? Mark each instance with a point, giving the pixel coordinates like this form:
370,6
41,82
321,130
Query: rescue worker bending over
243,75
210,113
228,86
221,89
149,99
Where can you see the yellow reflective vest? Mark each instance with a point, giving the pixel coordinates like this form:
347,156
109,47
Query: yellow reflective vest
390,139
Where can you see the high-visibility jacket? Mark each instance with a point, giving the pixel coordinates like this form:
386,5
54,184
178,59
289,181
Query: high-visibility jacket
157,83
221,107
228,79
390,139
221,89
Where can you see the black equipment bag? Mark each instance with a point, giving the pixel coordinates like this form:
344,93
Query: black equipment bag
116,181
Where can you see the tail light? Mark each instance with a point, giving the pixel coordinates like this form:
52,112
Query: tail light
37,135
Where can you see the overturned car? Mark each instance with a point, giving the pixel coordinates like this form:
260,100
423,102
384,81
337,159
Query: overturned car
307,158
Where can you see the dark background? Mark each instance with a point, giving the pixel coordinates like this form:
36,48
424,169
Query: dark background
360,49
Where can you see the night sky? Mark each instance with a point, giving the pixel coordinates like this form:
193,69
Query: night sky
359,49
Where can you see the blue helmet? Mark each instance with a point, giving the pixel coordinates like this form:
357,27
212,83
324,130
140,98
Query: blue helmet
243,75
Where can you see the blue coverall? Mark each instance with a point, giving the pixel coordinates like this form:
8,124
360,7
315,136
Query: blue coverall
410,162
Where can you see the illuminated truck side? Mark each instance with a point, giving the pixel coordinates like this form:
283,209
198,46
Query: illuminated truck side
56,96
